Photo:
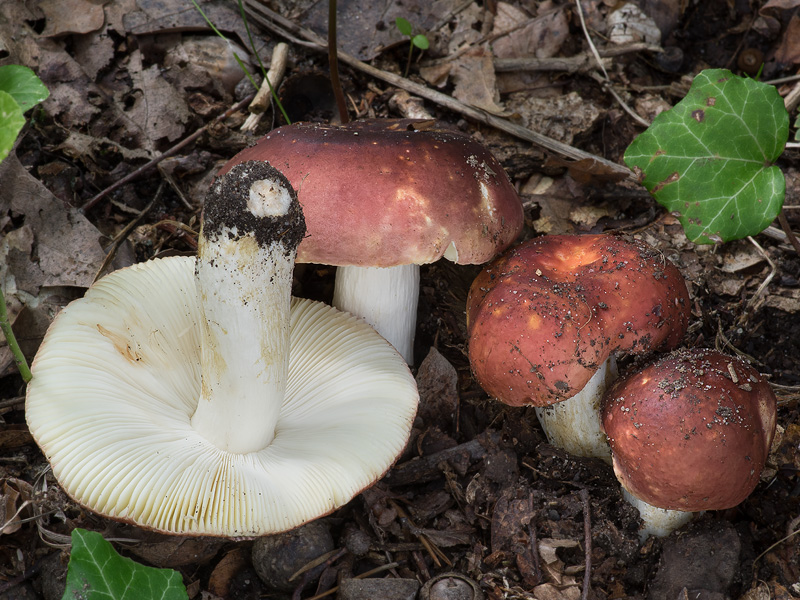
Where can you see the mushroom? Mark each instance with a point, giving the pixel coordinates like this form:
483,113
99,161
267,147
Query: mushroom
382,197
690,432
197,397
546,318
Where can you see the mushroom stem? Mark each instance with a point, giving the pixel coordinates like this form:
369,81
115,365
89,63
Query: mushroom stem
244,279
575,424
386,298
659,522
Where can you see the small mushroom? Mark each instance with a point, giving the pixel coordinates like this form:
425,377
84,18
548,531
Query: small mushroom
690,432
546,319
382,197
197,397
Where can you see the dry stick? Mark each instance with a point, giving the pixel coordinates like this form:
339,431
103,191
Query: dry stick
788,231
122,235
284,27
587,542
277,67
152,163
364,575
333,64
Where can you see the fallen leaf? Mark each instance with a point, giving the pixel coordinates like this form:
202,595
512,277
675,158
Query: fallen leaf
789,50
63,17
437,381
474,80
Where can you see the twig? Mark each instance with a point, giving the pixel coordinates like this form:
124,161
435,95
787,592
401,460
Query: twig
122,235
363,575
608,87
277,67
533,544
788,231
587,542
284,27
152,163
760,291
333,64
580,63
588,37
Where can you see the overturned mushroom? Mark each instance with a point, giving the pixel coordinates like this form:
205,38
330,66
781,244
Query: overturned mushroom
197,397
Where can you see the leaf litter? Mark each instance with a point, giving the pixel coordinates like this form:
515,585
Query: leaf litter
477,490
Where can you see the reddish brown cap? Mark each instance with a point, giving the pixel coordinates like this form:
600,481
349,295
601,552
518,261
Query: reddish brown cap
546,314
692,431
384,193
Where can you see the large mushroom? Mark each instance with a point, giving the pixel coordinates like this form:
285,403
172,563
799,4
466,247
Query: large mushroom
382,197
546,318
197,397
690,432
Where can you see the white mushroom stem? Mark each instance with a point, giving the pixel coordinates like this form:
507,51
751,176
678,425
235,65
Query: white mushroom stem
386,298
659,522
245,295
574,424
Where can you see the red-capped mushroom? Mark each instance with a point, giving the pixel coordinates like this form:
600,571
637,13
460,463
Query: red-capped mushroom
381,197
690,432
546,318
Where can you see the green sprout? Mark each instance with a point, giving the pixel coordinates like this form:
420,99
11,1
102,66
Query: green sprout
20,90
709,160
419,40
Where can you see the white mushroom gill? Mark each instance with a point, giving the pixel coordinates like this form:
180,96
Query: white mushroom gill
118,379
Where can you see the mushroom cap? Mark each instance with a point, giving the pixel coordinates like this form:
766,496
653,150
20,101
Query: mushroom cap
545,315
383,193
691,431
117,379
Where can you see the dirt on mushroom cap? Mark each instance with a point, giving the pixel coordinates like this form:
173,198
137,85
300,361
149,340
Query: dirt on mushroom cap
692,431
546,314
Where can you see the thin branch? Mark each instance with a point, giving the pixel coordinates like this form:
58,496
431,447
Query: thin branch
788,231
333,63
284,27
587,543
174,150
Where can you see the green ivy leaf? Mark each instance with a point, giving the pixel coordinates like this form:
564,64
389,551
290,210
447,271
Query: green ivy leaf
420,41
709,159
11,122
403,26
97,572
23,85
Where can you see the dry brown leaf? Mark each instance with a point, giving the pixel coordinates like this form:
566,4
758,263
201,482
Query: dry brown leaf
474,79
789,50
542,37
63,17
159,107
437,381
16,494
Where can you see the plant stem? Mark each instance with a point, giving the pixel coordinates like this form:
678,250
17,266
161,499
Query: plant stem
19,358
333,62
788,231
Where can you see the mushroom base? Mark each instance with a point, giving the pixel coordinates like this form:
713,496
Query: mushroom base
659,522
574,424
